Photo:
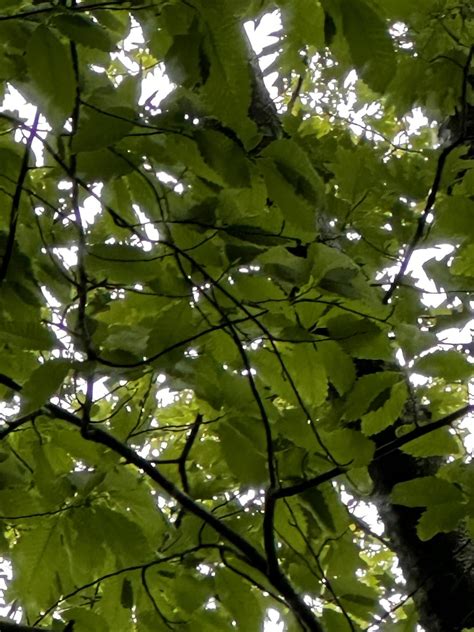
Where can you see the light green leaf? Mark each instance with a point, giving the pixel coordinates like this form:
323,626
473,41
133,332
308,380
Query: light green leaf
85,620
35,556
381,418
463,263
437,443
239,600
440,518
366,390
325,259
412,340
42,384
52,74
349,447
449,365
338,364
307,371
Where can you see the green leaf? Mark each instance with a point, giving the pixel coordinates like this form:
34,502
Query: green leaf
42,384
463,263
102,165
412,340
225,157
35,556
190,592
325,259
315,501
392,408
349,447
295,166
26,335
227,90
304,22
85,620
98,129
437,443
440,518
244,458
425,491
239,600
52,74
369,43
338,364
82,30
449,365
366,390
311,384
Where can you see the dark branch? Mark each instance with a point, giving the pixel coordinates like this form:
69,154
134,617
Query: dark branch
15,207
379,453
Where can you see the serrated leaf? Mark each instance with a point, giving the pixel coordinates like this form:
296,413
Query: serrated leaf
437,443
52,74
339,365
306,369
426,491
240,600
82,30
325,260
85,620
316,502
440,518
366,390
98,129
369,42
349,447
449,365
26,335
244,459
303,20
42,384
227,91
412,340
35,556
295,166
388,413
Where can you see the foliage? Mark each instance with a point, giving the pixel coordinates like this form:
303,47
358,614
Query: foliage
192,290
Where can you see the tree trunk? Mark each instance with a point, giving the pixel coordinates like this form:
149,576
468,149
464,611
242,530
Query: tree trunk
439,572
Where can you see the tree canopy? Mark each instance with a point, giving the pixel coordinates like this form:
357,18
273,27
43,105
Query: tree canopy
230,315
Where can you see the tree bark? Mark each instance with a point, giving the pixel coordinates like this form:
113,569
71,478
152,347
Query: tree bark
439,572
